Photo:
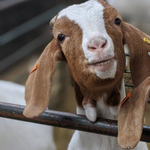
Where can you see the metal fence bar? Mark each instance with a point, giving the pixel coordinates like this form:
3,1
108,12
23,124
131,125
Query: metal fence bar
67,120
127,71
129,85
127,54
30,25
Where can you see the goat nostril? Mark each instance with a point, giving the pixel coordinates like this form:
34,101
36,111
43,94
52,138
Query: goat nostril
92,47
96,45
104,44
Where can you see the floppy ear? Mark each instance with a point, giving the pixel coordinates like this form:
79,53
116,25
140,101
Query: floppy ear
38,85
131,115
139,48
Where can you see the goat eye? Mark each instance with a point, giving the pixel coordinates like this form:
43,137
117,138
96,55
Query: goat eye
61,37
117,21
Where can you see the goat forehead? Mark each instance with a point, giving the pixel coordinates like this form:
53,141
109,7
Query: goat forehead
88,15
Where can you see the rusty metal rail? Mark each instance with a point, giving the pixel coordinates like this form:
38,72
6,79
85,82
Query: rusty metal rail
67,120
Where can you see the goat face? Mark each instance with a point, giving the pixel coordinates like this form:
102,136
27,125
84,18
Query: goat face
90,44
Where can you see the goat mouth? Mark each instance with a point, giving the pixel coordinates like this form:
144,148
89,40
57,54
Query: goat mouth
102,65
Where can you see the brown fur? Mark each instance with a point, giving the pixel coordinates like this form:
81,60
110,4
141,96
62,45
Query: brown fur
38,85
86,100
131,116
116,35
140,60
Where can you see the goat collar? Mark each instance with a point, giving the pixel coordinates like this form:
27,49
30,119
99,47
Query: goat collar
125,99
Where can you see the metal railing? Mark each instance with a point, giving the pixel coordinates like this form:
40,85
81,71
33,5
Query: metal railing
67,120
28,26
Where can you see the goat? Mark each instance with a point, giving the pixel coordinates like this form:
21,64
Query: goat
90,37
18,135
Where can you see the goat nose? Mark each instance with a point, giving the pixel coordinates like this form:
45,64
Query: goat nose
97,44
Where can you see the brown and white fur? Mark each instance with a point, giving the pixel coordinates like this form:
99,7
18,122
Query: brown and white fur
90,37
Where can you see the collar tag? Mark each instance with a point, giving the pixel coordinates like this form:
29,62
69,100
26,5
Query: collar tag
34,68
146,41
125,99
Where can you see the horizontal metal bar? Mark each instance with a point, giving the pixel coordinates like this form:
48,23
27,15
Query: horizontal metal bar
126,54
129,85
67,120
127,71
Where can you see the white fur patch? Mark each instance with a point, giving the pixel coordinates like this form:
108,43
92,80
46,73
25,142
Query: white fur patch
110,73
90,112
89,17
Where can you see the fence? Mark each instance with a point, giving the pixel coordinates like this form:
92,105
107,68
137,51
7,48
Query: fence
67,120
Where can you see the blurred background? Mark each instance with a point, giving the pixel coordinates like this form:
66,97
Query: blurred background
24,33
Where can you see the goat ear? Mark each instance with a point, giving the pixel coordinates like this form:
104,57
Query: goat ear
138,44
38,85
51,23
131,116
